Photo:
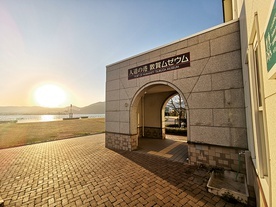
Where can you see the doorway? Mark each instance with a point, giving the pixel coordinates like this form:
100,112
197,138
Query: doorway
150,118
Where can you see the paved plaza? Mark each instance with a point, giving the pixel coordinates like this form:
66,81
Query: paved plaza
82,172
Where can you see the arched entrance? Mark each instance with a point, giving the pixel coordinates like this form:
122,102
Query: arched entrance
209,78
147,110
174,118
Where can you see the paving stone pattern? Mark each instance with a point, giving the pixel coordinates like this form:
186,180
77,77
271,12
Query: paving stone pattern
82,172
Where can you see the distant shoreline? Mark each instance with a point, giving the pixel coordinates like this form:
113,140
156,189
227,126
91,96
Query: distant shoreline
7,114
24,118
95,108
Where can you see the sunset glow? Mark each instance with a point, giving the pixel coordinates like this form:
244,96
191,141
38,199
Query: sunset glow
49,95
66,42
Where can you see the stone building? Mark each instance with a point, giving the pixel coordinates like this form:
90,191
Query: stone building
210,83
228,88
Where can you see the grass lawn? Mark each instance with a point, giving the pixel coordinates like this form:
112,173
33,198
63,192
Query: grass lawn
18,134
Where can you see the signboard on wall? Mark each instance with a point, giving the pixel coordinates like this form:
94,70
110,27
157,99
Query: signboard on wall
172,63
270,43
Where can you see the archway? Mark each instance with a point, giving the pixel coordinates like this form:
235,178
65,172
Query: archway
147,109
174,118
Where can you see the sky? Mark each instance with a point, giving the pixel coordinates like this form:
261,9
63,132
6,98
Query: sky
59,49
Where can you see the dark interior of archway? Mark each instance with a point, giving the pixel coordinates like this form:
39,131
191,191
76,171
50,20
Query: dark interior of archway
173,143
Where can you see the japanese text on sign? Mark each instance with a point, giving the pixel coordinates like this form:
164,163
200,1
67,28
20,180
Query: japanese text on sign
173,63
270,40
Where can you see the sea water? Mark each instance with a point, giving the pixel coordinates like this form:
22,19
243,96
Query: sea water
43,118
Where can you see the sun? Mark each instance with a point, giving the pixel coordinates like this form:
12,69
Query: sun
49,95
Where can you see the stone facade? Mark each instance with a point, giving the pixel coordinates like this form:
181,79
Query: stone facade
211,87
121,141
216,156
152,132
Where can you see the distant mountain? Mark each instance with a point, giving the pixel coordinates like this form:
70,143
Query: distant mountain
96,108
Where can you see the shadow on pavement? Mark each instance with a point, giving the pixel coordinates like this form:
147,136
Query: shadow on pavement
186,178
173,150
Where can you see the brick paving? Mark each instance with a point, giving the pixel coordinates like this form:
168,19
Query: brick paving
173,148
82,172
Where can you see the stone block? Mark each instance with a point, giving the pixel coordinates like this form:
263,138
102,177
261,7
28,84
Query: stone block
197,52
130,92
134,141
112,116
234,156
237,117
112,67
238,137
112,95
112,106
226,162
219,149
125,105
124,63
234,98
227,80
186,85
154,55
200,51
202,117
133,121
212,163
112,85
124,116
125,83
212,153
142,81
221,117
167,76
234,117
182,44
112,126
192,41
213,99
124,72
123,94
210,135
169,50
192,149
223,62
175,75
155,59
124,128
193,159
155,77
198,147
220,161
112,75
195,69
204,83
218,32
226,43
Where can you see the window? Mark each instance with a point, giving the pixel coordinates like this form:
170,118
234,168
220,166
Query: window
257,102
259,109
